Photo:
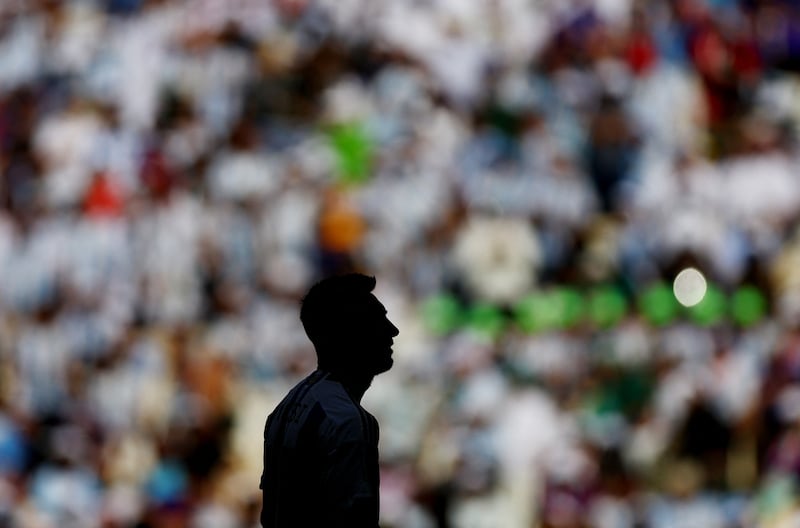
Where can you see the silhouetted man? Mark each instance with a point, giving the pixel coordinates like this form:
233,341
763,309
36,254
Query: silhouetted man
320,445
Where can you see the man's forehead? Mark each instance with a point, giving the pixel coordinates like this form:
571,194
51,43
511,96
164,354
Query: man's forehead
364,304
372,303
351,298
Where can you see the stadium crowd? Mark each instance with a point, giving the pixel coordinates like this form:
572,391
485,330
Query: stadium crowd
517,174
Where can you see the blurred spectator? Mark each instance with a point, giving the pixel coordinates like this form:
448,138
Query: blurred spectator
526,178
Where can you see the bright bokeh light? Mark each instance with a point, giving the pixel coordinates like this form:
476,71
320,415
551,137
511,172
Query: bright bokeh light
689,287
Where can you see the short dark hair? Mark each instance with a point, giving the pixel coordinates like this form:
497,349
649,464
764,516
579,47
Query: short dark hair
330,304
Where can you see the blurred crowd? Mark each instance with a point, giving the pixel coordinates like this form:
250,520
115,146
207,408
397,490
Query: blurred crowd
177,173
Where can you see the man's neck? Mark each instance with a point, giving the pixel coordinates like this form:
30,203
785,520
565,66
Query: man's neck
355,384
357,388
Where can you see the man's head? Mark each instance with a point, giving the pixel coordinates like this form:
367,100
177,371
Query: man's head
348,325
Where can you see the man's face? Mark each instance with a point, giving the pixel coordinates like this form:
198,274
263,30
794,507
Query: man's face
372,337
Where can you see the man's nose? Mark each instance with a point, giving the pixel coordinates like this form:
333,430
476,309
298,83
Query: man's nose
394,331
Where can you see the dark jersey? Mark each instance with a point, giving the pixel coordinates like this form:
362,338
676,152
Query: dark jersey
320,459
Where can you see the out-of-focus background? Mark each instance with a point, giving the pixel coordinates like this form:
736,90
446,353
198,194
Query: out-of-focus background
582,215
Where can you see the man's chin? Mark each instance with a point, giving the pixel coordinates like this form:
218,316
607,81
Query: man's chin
384,366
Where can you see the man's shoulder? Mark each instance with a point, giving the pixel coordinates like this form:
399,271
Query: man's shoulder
323,401
329,395
345,419
335,402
